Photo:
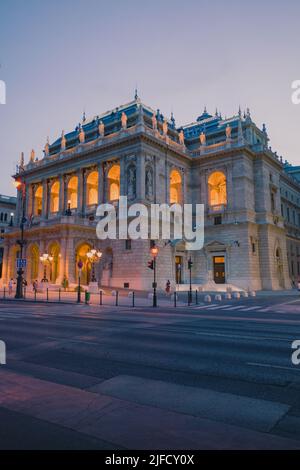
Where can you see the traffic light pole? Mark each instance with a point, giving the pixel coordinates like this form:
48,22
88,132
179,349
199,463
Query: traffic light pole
21,243
190,291
154,283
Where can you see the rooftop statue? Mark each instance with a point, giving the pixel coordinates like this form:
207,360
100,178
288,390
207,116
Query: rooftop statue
63,142
101,129
202,138
181,137
32,155
165,127
154,122
228,132
124,120
81,136
46,148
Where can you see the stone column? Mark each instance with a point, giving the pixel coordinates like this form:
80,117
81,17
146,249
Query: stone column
100,184
61,194
140,177
70,260
62,260
123,175
45,199
83,206
42,248
79,175
5,262
65,197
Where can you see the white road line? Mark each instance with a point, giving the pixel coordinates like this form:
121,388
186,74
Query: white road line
273,338
237,307
248,309
205,306
273,366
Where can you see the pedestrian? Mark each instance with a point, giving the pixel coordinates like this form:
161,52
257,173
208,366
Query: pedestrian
34,285
10,286
168,287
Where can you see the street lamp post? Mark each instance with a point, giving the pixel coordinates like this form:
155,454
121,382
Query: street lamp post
68,211
94,256
46,260
79,265
11,219
190,265
154,253
19,290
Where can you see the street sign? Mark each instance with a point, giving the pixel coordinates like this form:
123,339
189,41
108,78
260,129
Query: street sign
21,263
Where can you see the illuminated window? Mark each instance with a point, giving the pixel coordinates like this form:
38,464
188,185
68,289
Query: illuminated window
38,200
114,183
72,192
54,197
92,188
175,187
217,190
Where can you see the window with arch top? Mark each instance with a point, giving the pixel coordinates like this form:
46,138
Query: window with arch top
92,188
217,189
54,197
38,200
175,187
72,192
113,177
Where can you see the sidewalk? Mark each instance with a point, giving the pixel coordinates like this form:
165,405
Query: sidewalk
125,424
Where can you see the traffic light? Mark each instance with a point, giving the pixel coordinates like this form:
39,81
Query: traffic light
190,264
151,264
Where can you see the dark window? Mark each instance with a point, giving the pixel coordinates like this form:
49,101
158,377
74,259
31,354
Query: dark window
272,202
288,213
218,220
152,243
5,217
282,213
253,248
128,244
1,216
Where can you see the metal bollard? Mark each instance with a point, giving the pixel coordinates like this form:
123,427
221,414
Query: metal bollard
47,294
189,298
59,294
117,298
196,296
175,299
35,295
4,293
101,297
24,292
133,299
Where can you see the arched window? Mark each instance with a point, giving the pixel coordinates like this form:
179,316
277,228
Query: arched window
54,197
114,183
175,187
217,190
38,200
72,192
92,188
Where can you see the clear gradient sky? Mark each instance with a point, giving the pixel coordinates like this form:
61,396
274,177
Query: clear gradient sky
59,57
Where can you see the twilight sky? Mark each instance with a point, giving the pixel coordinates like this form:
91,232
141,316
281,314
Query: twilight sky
60,57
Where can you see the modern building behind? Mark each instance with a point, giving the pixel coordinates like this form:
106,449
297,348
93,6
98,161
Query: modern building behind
7,216
250,240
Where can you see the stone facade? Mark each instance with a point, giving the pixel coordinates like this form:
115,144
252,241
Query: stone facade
225,164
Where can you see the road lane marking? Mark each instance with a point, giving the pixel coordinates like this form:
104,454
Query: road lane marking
243,336
274,366
251,308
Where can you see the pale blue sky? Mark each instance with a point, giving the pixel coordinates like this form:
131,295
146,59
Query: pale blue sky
60,57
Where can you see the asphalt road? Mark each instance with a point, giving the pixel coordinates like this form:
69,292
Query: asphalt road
205,377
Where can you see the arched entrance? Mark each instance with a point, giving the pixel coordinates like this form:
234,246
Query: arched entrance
81,252
54,251
34,259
